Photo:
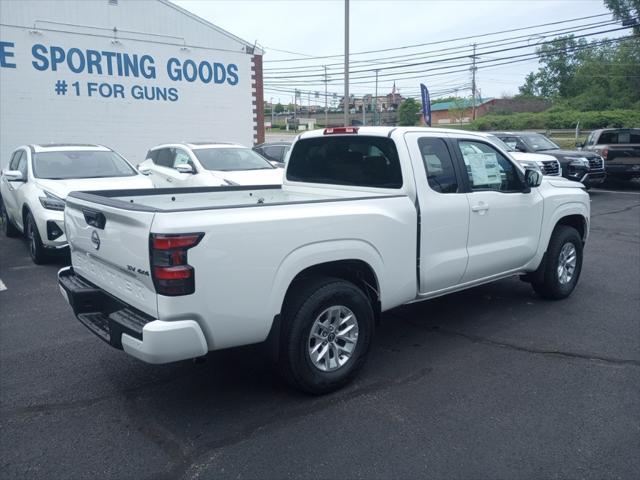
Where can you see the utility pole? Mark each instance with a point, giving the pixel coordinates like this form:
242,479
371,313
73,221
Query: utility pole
271,112
346,63
473,83
376,119
364,118
326,113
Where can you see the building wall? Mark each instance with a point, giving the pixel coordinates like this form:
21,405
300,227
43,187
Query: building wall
129,111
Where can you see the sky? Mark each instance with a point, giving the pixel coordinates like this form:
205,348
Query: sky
311,28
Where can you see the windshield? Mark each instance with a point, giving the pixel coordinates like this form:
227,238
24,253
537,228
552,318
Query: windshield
80,164
539,142
501,144
230,159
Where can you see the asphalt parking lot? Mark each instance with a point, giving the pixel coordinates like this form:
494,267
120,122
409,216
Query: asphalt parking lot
489,383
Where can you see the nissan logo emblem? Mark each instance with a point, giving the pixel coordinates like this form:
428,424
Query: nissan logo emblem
95,239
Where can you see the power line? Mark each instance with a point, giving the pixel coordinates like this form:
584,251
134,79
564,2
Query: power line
489,63
435,53
459,57
439,42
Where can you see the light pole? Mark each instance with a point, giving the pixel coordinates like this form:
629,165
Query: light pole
375,114
346,63
326,114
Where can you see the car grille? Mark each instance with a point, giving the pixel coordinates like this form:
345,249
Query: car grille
596,163
551,167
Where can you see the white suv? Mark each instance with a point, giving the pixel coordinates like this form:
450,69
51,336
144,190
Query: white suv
208,164
38,179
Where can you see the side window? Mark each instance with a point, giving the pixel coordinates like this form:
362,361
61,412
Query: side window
163,157
488,169
438,164
273,153
15,158
181,157
22,165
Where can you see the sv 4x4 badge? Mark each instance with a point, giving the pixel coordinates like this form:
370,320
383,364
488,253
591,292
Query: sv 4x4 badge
139,271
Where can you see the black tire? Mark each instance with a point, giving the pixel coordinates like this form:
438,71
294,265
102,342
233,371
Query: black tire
9,228
547,281
306,303
36,249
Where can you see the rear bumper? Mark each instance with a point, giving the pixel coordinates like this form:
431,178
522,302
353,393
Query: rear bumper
628,170
123,327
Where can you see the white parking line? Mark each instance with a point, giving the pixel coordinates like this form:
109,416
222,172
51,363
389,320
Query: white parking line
2,285
597,190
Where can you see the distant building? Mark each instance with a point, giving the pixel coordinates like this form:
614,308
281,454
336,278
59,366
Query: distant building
461,110
381,103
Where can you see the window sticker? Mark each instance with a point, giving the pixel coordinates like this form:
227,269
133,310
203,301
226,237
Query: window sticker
485,169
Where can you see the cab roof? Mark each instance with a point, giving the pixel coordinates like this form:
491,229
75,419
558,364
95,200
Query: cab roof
387,131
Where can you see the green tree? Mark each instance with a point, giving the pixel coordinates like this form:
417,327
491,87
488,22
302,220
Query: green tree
279,108
626,10
408,112
561,58
530,88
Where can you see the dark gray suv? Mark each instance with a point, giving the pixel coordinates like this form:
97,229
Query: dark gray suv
579,166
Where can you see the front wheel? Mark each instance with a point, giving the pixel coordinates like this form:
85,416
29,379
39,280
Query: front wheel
561,266
36,248
327,330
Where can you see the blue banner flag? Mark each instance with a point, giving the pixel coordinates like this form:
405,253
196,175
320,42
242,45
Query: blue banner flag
426,104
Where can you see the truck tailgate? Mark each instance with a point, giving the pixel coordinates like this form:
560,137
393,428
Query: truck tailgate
110,248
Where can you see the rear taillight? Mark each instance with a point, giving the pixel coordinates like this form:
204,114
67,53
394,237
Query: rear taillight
172,275
340,130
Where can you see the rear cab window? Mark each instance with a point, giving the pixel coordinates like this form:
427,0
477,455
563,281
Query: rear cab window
619,137
359,161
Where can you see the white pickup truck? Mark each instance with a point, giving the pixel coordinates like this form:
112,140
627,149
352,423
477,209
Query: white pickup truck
368,219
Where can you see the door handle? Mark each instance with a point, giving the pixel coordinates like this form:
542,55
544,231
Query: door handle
169,180
481,208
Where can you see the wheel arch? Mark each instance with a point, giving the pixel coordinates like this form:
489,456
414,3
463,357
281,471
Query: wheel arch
577,221
356,261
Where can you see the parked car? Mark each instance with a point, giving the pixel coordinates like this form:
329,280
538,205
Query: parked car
274,151
579,166
620,148
38,179
547,164
367,219
207,164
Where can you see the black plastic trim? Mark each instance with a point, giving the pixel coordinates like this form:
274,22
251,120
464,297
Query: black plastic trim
100,312
105,197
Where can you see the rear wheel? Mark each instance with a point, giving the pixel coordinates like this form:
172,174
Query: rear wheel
9,228
561,266
36,248
327,330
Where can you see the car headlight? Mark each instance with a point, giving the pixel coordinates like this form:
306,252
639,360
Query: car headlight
532,165
578,162
52,202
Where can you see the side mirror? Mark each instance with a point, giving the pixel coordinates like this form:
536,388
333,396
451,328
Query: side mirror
184,168
520,148
532,179
580,145
143,170
13,176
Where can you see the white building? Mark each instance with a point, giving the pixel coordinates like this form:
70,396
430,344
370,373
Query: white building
128,74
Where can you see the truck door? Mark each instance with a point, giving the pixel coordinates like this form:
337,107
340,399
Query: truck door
505,223
444,212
